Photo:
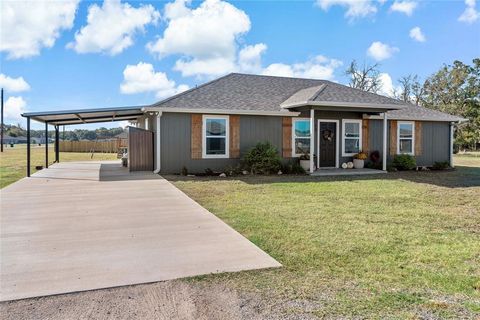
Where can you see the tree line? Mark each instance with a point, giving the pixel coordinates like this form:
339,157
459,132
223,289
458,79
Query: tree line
73,135
453,89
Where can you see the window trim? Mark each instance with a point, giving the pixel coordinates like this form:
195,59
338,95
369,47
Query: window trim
204,137
360,141
412,123
294,154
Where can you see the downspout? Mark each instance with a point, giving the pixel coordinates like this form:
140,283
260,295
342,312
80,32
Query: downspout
157,145
451,144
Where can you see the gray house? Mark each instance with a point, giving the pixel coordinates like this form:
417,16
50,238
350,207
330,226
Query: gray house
213,125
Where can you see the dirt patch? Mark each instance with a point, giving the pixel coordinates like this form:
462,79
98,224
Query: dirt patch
176,299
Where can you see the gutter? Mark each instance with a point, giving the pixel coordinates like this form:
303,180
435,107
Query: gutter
285,113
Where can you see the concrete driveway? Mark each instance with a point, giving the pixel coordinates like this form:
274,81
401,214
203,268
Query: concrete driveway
89,225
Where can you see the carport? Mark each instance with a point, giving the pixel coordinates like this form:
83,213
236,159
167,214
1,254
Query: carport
73,117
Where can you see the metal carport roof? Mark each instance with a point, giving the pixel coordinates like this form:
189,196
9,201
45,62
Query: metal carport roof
80,116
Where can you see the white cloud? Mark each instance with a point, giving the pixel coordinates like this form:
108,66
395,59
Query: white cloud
29,26
112,27
141,78
417,34
387,87
355,8
14,107
405,7
13,84
381,51
470,15
250,58
319,67
206,37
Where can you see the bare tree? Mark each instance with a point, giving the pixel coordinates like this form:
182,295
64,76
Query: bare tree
366,78
411,90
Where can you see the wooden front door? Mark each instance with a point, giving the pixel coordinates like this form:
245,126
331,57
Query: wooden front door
327,144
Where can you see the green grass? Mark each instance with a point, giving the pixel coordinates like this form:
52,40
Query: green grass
13,161
405,245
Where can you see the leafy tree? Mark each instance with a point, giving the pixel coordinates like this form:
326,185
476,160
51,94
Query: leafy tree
366,78
456,89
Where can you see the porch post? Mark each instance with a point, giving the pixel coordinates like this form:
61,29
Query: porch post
57,144
384,152
312,139
157,144
46,144
28,146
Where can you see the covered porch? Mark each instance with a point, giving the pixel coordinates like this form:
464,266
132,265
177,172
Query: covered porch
337,134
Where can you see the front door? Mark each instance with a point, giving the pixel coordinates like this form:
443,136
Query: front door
327,144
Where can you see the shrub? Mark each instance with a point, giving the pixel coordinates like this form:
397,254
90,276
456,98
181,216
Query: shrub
292,167
184,171
404,162
263,159
441,165
233,170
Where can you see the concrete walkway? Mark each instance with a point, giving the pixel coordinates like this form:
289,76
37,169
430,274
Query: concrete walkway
89,225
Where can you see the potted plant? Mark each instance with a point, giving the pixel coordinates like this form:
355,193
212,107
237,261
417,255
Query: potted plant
305,161
359,160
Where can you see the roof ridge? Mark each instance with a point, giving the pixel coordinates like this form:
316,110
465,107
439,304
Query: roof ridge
319,91
273,76
191,90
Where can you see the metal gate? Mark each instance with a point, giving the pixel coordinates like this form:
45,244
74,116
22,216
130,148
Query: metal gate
140,149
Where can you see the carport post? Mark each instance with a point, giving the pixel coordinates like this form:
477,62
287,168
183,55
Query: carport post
28,146
57,144
46,144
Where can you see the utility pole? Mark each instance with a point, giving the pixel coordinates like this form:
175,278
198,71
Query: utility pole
1,125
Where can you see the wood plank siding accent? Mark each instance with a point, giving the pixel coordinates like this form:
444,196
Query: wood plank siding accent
140,149
196,139
418,138
365,135
393,137
287,137
234,136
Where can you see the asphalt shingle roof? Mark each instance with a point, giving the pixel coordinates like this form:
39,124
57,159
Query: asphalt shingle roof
246,92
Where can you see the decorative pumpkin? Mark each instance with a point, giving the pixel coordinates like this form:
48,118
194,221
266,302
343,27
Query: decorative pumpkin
344,165
350,165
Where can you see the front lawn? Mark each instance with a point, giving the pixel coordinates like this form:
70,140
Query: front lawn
405,245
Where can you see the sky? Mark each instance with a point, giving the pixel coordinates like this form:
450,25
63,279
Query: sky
58,55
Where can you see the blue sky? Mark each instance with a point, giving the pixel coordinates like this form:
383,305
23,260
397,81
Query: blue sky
96,54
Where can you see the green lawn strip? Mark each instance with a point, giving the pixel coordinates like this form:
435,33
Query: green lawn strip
404,243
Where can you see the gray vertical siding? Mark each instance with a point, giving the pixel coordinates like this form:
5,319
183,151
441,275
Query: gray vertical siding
176,136
255,129
435,141
176,144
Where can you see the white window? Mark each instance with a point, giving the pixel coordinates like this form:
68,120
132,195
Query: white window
351,137
405,137
300,136
215,137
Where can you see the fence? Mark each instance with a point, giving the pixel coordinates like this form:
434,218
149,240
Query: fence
107,146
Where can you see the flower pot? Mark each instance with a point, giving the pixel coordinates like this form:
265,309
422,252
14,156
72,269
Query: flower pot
358,164
305,164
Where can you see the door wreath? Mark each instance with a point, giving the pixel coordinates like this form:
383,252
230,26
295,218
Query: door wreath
327,135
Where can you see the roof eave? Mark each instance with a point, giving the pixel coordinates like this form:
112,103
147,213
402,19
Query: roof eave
341,104
222,111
